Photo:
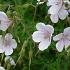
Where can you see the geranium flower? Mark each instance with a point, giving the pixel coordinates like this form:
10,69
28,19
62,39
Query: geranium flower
63,39
7,44
4,21
43,35
57,10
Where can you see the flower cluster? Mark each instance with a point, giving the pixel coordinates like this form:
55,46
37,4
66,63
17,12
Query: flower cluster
44,36
59,9
7,43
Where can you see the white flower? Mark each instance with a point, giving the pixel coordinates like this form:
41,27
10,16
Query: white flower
7,44
2,68
57,10
4,21
43,35
10,59
63,39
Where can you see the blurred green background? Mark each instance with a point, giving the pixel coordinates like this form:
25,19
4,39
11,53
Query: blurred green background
25,14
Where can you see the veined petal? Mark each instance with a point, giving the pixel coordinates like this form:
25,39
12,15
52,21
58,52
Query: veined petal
67,43
9,35
54,9
63,14
49,28
8,51
67,31
1,49
50,2
53,2
58,37
3,16
13,43
1,44
38,36
40,26
4,25
44,44
54,18
60,45
45,28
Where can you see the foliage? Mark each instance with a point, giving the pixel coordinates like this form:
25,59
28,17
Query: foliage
24,15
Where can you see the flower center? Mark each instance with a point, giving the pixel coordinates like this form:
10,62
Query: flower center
6,42
47,36
64,36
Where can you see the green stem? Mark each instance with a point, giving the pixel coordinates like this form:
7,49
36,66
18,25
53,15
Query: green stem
30,57
35,13
37,53
2,58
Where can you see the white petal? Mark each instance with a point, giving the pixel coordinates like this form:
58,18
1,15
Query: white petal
67,31
8,51
9,35
3,16
50,29
60,45
67,43
58,37
38,36
4,25
63,14
1,44
44,28
40,26
54,9
1,49
13,43
54,18
44,44
49,3
52,2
